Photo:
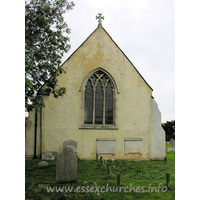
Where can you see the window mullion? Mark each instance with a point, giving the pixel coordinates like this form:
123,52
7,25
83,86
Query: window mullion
104,92
94,90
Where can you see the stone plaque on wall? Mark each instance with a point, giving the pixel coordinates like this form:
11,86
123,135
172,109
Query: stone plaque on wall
133,145
106,146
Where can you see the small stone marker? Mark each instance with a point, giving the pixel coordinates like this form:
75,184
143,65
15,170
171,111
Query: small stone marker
43,164
66,167
170,149
106,159
113,159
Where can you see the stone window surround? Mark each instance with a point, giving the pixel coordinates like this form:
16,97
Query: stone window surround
115,92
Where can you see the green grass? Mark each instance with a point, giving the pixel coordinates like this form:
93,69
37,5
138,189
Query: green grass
91,174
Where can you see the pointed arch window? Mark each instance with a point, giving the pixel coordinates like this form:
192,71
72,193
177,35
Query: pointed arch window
99,97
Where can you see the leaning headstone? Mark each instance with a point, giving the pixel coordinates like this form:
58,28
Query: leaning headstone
43,164
66,167
70,143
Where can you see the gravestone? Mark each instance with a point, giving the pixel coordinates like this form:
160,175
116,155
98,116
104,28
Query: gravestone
70,143
172,148
66,167
172,142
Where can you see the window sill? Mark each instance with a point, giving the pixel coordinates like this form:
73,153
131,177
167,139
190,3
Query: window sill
98,126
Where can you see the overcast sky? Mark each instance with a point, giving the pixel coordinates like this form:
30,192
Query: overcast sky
145,32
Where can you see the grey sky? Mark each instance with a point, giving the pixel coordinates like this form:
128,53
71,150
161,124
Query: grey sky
144,30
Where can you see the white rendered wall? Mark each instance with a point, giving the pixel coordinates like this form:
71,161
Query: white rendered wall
157,133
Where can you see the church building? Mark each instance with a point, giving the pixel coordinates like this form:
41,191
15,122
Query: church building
108,108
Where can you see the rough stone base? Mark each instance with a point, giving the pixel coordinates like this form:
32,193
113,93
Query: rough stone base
48,155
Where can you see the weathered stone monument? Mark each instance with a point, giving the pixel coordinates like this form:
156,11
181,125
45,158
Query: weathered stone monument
172,142
172,148
70,143
48,155
66,167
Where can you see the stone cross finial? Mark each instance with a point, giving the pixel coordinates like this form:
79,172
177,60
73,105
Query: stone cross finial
100,18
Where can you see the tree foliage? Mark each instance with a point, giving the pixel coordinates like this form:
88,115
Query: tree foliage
169,128
46,41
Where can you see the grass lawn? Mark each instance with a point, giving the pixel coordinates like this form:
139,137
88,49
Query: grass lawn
91,176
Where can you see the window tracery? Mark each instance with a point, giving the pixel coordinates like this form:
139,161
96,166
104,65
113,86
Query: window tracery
98,108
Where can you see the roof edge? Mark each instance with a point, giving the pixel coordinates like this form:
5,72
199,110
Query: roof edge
78,47
117,47
128,59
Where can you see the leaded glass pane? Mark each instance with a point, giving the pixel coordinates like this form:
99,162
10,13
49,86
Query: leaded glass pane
98,87
99,104
88,111
109,104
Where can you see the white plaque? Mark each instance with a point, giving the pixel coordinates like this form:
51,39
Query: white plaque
106,146
133,145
